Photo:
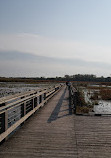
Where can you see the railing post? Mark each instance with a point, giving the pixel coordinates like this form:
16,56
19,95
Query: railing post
70,99
40,99
2,125
33,103
2,122
6,120
75,101
24,108
44,96
73,97
21,109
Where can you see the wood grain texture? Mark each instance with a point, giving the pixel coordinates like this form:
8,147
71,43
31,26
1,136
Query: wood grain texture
19,122
48,133
53,132
93,136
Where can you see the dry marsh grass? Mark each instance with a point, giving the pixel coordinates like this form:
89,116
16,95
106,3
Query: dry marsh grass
105,94
83,109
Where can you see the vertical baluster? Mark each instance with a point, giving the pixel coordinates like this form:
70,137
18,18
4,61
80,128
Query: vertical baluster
40,99
24,108
33,103
44,96
2,125
2,122
6,120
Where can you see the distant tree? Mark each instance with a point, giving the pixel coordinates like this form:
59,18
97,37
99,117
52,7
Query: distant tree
67,77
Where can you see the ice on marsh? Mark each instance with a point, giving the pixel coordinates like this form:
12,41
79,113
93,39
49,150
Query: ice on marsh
104,107
13,88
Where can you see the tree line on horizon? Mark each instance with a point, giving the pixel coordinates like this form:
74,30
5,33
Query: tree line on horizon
77,77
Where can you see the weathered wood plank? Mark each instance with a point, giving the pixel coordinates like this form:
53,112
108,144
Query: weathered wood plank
53,132
93,136
19,122
41,138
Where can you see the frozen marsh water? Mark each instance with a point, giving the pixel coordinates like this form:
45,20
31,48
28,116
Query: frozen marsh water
103,107
13,88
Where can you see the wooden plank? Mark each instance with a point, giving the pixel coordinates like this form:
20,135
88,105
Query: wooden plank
14,126
43,139
53,133
93,136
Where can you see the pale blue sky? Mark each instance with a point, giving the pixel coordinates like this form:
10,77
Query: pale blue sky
72,30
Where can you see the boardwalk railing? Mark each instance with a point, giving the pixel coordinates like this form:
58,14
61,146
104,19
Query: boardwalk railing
73,97
14,110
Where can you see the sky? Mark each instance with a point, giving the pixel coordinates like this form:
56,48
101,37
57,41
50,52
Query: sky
55,37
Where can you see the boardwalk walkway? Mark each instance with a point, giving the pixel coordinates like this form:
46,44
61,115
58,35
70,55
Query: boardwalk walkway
49,133
53,132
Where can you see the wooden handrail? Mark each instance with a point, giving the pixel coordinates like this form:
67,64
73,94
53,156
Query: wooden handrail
13,114
73,97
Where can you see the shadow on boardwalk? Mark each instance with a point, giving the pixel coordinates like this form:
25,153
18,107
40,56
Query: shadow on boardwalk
54,115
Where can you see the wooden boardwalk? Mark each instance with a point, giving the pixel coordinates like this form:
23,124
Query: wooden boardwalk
53,132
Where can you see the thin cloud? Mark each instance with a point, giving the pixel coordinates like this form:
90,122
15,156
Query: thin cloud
26,64
43,46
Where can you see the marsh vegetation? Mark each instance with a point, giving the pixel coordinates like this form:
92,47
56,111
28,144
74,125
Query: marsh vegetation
93,98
